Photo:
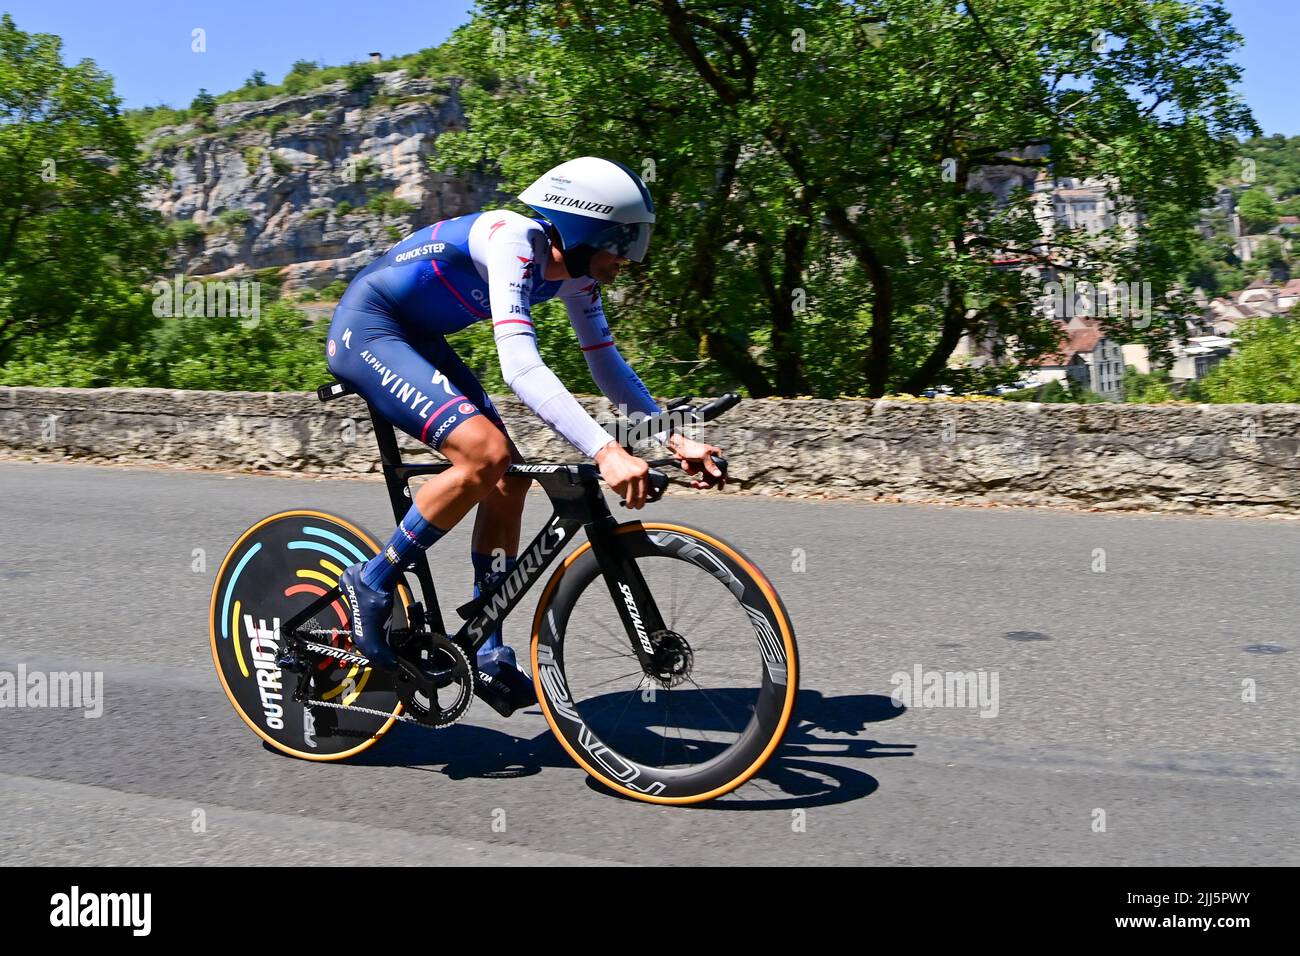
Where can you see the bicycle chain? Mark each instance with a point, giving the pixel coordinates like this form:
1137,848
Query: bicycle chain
330,632
355,709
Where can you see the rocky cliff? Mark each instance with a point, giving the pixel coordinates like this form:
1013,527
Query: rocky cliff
315,184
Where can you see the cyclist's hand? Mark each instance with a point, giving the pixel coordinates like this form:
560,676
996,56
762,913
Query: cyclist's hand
625,473
694,457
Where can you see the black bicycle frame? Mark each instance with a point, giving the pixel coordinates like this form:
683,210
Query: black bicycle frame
578,502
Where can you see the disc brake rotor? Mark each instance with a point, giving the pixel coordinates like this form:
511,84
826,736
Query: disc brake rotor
673,658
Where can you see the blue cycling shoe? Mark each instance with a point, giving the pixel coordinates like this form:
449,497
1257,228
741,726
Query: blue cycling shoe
494,652
503,685
371,616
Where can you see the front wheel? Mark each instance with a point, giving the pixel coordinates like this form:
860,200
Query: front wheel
721,694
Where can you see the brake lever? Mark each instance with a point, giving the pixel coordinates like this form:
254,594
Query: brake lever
704,474
708,477
656,485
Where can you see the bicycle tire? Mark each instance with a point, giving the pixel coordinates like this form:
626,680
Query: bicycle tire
721,772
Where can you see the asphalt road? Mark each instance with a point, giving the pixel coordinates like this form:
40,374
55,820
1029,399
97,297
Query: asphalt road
1120,693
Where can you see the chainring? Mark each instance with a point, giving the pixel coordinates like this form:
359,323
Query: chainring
447,670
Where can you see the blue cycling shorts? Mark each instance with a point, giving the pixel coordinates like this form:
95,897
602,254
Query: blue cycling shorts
415,380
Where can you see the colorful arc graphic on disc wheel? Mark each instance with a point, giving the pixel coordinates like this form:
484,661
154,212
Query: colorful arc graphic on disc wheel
276,568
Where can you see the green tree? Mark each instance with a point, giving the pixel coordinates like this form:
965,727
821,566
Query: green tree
280,352
1081,394
295,80
817,164
1265,175
110,345
1055,393
1257,211
1267,162
356,77
1146,388
1213,264
1271,260
203,104
77,241
1266,367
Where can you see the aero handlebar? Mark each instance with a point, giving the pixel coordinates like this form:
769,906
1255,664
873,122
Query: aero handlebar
678,412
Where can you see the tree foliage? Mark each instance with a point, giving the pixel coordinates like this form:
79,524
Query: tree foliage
75,234
816,167
1147,388
1266,368
1257,210
1270,164
280,351
813,165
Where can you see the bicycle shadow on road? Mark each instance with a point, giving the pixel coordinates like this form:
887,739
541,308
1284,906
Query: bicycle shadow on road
811,768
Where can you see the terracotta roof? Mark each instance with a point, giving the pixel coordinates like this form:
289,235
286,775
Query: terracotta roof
1081,336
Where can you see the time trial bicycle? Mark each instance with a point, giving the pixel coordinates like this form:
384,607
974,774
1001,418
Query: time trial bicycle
663,658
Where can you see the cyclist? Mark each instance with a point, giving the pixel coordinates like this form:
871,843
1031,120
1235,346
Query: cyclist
388,341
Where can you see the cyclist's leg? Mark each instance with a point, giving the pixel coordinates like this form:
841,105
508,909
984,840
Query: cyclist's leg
404,379
495,542
495,546
496,528
469,433
483,440
458,421
371,352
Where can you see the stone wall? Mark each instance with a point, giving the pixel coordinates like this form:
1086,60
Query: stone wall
1241,459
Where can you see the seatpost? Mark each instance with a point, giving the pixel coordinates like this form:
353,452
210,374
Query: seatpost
390,459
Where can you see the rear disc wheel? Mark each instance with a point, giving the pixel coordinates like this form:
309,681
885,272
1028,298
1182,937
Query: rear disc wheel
275,569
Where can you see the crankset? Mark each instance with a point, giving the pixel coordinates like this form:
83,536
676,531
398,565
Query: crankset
430,668
441,670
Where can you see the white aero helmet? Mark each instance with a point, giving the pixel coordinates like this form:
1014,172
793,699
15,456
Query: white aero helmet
596,203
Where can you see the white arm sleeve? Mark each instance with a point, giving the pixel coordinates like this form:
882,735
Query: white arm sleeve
613,376
512,257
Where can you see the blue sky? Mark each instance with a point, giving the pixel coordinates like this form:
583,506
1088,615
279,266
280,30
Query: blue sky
1271,29
145,44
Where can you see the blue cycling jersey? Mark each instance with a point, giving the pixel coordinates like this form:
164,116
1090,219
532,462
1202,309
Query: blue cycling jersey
388,334
431,280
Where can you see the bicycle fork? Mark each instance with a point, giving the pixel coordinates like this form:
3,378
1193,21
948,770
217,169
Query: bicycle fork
635,604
